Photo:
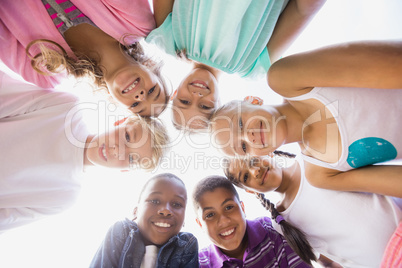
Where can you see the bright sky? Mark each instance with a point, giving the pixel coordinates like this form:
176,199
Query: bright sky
71,239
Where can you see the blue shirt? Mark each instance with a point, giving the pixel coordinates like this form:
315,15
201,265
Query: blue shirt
266,248
123,247
228,35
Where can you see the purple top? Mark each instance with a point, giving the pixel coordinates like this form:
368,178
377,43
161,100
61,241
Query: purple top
266,248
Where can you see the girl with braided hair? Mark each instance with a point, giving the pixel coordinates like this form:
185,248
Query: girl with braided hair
237,241
350,228
337,103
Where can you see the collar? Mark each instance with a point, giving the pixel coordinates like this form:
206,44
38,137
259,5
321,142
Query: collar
256,234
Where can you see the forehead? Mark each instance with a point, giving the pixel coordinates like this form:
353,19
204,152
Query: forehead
238,164
216,198
189,118
166,187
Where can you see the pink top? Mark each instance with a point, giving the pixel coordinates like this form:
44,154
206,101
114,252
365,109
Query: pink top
20,25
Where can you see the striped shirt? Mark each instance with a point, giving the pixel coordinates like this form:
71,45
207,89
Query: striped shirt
266,248
69,15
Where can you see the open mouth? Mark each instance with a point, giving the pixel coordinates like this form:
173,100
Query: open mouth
131,86
264,176
102,152
162,224
227,233
199,84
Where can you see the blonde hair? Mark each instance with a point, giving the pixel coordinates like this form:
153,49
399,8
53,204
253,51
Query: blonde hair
160,138
52,58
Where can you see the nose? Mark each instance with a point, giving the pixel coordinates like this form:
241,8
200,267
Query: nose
255,171
223,220
250,136
140,95
199,92
165,211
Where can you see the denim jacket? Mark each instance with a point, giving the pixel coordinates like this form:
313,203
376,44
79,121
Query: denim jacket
123,248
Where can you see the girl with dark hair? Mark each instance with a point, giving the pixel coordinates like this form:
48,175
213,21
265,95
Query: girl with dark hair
237,241
351,229
80,38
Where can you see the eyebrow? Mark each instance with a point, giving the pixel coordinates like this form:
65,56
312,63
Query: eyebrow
160,193
235,148
223,203
159,93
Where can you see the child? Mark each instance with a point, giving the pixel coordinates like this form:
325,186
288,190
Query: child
46,147
154,235
242,37
236,241
351,229
339,129
84,38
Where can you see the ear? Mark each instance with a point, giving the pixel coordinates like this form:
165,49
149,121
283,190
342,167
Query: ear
135,213
250,192
242,207
198,222
254,100
173,95
119,122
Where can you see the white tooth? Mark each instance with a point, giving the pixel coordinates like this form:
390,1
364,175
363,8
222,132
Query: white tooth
227,232
199,85
162,224
104,152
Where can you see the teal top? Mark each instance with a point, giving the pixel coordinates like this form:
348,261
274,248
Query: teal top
228,35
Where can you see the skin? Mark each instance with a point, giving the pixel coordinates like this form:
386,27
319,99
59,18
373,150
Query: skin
312,125
252,129
196,97
146,95
163,202
264,174
118,143
221,212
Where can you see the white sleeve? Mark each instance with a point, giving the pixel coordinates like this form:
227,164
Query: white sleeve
14,217
19,97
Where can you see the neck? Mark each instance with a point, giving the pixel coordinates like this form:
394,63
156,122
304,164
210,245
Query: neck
293,121
238,253
215,72
87,163
289,186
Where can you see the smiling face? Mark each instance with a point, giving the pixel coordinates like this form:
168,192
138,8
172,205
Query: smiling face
222,217
161,210
122,148
139,89
248,129
260,174
196,98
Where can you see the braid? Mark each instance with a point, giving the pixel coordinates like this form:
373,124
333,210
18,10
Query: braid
285,154
294,236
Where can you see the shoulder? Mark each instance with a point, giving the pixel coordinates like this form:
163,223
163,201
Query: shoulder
187,240
122,228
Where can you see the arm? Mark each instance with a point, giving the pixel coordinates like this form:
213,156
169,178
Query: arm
15,217
190,256
375,64
380,179
294,18
162,8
